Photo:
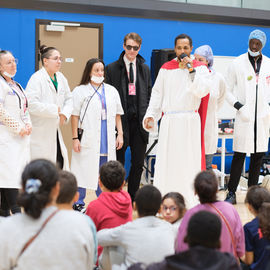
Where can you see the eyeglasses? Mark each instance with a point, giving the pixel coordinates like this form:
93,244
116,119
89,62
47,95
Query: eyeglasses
11,62
56,58
135,48
171,208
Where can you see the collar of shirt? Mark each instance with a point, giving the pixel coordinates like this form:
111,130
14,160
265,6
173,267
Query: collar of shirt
255,64
127,63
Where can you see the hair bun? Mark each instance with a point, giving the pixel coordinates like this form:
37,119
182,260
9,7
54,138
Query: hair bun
42,48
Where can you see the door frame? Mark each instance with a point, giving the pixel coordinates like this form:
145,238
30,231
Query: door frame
39,22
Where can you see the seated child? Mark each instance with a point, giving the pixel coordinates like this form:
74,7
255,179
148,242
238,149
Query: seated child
203,239
173,209
68,194
256,255
264,222
113,207
147,239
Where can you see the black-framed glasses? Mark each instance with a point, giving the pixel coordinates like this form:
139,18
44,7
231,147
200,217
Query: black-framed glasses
135,48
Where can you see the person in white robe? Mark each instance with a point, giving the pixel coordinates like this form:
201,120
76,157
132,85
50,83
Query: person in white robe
177,94
205,55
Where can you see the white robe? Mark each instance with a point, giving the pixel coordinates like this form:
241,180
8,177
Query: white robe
85,164
44,101
178,158
241,80
216,99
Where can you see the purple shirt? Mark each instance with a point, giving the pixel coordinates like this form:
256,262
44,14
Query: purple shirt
233,219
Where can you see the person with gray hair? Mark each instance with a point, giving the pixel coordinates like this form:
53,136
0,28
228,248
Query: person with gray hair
205,55
248,81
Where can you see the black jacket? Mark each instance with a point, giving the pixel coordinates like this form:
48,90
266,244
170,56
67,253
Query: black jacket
196,258
116,75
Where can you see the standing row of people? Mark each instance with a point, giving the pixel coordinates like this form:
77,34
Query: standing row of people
95,109
180,94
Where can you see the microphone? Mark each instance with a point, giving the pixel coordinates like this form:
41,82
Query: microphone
189,67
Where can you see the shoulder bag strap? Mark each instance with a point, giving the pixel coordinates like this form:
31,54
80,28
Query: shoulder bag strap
81,121
228,227
30,241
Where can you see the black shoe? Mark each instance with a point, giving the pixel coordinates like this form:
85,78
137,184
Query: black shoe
79,207
231,197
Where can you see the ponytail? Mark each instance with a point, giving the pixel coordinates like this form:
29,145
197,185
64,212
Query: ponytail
38,179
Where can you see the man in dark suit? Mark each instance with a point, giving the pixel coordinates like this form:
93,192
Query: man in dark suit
131,77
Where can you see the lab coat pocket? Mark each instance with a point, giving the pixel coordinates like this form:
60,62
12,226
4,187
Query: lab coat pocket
244,113
61,97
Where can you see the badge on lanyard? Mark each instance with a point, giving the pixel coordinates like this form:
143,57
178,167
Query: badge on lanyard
103,114
131,89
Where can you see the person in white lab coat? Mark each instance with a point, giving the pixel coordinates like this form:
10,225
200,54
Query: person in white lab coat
178,93
205,55
50,106
248,82
15,126
97,110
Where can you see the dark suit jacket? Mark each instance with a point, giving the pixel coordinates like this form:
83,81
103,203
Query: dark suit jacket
116,75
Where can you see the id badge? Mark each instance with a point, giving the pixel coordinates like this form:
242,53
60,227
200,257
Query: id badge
131,89
103,114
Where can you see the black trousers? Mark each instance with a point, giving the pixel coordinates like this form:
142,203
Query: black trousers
237,167
59,157
9,201
137,149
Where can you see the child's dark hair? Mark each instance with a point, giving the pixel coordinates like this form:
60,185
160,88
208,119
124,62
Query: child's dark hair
256,196
264,220
148,200
178,200
46,52
204,229
38,179
68,187
112,175
206,186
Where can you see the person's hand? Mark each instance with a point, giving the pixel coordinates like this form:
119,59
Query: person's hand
62,119
149,122
119,141
77,146
186,60
23,132
28,128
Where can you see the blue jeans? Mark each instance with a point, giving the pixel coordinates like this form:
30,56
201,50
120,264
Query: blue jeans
82,191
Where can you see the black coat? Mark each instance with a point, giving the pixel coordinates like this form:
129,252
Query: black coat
116,75
196,258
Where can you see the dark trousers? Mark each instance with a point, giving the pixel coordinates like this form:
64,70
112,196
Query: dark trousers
137,149
237,167
9,201
59,157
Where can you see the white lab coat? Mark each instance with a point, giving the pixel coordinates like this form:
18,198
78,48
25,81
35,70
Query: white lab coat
241,80
178,157
85,164
216,99
43,107
14,149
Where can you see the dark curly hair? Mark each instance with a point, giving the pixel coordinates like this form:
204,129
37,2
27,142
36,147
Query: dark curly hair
264,220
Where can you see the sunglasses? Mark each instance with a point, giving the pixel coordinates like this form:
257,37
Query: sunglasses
135,48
